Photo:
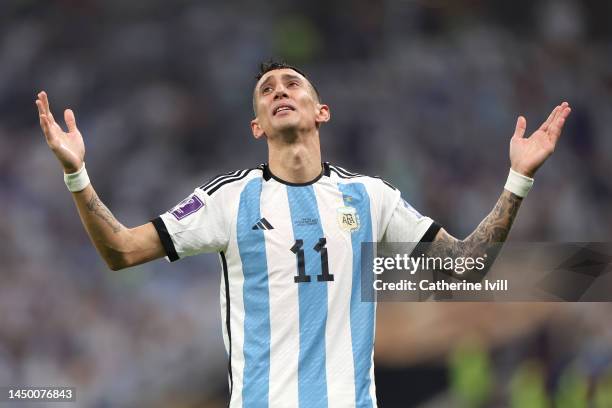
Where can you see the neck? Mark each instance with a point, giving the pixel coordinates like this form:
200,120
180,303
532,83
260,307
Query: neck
296,159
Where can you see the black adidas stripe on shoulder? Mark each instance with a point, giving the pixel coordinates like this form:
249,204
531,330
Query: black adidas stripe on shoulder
342,173
348,173
220,177
345,174
225,179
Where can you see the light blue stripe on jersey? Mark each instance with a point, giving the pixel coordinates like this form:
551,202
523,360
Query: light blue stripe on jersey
312,380
256,348
362,313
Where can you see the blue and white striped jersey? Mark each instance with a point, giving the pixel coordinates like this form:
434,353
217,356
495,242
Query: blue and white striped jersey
296,331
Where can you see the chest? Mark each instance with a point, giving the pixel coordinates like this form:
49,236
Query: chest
306,234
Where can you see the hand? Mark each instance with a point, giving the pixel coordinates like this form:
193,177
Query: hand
67,146
528,154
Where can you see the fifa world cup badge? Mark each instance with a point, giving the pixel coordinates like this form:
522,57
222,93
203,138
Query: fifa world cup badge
348,220
187,207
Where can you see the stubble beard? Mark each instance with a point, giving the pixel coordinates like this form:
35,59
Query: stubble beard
288,133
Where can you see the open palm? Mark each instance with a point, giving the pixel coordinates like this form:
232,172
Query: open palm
67,146
528,154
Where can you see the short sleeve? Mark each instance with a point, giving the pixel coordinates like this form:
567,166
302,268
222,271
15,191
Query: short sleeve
408,225
195,225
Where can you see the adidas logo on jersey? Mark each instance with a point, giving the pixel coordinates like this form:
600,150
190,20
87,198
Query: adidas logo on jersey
263,224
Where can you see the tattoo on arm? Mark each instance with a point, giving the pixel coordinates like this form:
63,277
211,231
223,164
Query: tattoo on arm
97,207
493,229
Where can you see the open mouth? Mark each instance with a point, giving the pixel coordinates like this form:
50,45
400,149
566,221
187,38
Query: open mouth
282,108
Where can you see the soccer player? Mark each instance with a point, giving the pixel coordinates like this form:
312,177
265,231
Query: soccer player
289,236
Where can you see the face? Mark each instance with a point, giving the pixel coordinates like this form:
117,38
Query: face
285,102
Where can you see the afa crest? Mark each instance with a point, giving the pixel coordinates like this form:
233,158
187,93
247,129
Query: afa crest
348,220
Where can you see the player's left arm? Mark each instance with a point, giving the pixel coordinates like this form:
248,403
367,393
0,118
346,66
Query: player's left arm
526,156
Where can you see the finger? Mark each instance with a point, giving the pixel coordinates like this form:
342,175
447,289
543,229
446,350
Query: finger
564,110
549,120
554,131
556,128
41,110
559,109
521,125
45,101
43,123
70,120
41,114
554,118
46,127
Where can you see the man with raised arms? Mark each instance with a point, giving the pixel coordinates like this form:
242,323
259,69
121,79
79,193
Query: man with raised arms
288,234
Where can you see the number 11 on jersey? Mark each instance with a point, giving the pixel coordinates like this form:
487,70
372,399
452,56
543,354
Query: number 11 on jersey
298,250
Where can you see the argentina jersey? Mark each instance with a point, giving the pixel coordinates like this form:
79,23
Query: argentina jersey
295,329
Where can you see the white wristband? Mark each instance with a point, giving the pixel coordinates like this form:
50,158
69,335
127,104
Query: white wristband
77,181
518,184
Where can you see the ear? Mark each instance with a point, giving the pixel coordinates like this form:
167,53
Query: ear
256,129
323,114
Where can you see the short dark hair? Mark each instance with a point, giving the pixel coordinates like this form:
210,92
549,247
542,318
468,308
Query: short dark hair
271,65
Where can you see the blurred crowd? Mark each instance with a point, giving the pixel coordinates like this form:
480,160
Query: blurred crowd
423,93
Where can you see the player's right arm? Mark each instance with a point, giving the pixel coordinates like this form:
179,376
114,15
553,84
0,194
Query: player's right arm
120,247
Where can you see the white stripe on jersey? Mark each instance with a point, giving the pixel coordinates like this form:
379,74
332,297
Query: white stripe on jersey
236,282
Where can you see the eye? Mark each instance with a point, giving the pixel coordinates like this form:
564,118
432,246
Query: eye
293,83
266,90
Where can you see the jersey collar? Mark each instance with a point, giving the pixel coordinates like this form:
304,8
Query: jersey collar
267,175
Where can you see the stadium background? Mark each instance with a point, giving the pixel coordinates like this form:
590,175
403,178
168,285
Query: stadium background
423,93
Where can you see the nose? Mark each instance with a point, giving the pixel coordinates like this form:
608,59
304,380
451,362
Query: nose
280,92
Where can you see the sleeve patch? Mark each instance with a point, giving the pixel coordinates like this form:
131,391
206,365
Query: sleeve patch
187,207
